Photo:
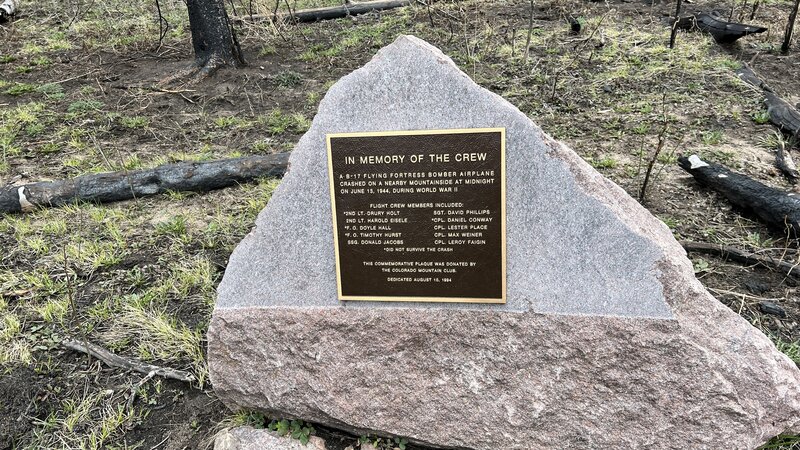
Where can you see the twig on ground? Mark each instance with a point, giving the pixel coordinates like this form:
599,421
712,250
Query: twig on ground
136,365
741,256
135,388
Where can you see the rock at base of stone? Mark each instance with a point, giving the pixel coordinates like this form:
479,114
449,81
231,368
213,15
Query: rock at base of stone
249,438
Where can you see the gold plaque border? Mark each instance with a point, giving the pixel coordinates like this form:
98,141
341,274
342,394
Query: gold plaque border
341,297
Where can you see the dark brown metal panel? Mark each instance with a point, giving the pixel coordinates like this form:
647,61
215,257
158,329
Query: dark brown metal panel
419,215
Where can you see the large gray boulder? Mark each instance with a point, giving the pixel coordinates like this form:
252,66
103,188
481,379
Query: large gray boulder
607,339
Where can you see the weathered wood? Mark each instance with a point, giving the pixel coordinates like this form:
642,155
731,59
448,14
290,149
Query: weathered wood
741,256
134,364
746,74
781,113
8,8
774,206
332,12
787,37
674,32
784,162
723,32
123,185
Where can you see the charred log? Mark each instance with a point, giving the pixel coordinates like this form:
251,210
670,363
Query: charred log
782,114
784,162
787,37
723,32
333,12
746,74
775,207
8,8
117,186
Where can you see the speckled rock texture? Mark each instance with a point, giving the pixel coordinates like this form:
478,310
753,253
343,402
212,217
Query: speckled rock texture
607,339
249,438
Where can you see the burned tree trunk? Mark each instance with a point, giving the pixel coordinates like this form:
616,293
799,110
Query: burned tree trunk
775,207
723,32
8,8
330,12
117,186
787,38
781,113
213,38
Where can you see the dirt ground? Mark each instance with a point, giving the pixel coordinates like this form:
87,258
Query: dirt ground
79,94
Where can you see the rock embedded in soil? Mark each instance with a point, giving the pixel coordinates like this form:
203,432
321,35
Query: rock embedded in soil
249,438
607,339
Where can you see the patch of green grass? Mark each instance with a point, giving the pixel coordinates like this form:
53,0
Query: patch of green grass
20,89
175,226
96,254
5,59
791,349
155,334
41,61
134,122
760,117
81,107
712,137
132,162
86,421
53,311
278,122
194,276
10,327
607,162
288,79
783,442
51,91
34,129
232,122
267,50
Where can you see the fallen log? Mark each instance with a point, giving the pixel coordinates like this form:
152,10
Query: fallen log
784,161
723,32
327,13
8,8
746,74
741,256
775,207
125,185
781,113
114,360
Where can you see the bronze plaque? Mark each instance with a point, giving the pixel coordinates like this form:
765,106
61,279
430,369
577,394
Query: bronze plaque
419,215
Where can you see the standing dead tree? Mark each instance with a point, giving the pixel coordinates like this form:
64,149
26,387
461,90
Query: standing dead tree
787,38
660,146
213,38
675,23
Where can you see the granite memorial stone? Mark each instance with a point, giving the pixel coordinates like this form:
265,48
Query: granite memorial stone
605,338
